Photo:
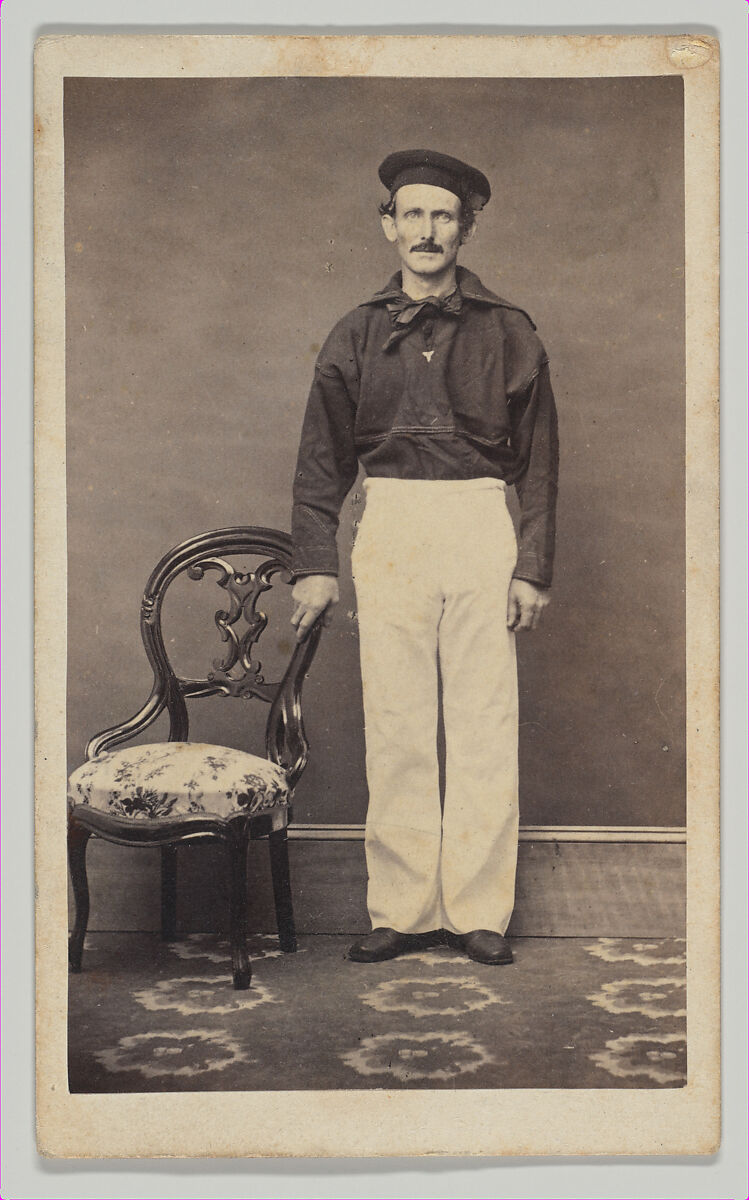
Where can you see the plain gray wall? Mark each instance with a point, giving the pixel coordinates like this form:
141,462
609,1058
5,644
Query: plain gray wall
215,231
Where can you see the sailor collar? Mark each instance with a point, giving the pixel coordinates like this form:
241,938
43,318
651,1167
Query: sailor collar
470,285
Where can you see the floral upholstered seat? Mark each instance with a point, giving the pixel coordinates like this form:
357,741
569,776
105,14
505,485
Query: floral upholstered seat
169,779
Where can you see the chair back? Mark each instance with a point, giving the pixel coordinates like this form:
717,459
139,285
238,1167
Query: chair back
238,672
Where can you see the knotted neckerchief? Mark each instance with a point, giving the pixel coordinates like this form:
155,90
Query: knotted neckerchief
406,313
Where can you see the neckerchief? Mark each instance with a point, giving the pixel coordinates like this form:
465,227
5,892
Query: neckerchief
406,313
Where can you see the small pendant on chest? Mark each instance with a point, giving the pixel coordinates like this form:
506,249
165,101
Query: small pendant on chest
428,354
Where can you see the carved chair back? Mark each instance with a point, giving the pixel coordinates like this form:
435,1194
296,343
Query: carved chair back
240,623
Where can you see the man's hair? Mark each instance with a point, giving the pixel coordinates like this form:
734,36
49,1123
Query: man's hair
467,216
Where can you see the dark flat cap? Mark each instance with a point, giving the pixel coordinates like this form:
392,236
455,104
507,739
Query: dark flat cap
440,170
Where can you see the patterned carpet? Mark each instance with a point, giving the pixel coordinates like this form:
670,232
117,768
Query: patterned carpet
569,1013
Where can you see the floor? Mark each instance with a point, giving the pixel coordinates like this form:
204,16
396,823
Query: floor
587,1012
563,889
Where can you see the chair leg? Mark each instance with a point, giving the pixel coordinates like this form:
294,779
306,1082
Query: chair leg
169,893
77,842
240,962
279,865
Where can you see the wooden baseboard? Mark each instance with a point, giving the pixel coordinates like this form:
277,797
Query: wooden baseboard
528,833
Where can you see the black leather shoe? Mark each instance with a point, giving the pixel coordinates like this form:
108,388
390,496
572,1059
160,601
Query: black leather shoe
380,944
484,946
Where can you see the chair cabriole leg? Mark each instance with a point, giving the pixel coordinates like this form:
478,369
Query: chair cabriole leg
77,841
279,863
240,961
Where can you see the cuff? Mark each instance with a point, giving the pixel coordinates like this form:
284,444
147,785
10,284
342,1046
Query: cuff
529,568
311,571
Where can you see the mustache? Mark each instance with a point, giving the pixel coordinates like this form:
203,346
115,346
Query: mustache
428,246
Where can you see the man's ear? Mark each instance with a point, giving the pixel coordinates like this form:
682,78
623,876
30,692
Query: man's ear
388,227
467,233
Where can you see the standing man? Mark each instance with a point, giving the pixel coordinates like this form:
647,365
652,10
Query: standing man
441,391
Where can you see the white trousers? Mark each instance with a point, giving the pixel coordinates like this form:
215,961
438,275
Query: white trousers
432,565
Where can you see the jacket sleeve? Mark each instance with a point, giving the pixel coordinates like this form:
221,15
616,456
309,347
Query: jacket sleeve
326,469
536,445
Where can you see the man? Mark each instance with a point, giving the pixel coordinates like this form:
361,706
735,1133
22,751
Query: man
440,389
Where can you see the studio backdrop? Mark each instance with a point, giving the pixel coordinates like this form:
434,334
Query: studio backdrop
215,231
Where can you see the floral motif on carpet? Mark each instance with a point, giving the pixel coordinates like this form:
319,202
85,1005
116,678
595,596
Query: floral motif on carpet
408,1056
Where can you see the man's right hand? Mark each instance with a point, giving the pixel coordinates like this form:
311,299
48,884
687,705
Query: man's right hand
313,594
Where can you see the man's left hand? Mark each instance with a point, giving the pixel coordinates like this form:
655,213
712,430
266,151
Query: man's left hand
525,603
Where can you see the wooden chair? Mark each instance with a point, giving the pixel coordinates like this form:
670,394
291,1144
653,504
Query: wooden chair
177,791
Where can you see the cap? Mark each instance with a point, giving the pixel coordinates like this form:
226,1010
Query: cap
440,170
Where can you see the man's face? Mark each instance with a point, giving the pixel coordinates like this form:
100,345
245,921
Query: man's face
425,228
